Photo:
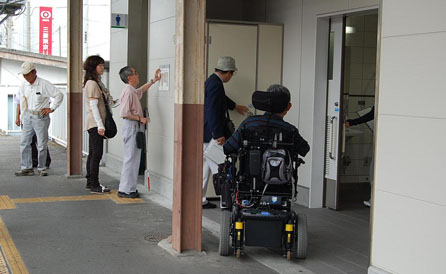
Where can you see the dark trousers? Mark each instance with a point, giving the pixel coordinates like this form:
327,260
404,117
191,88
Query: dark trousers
34,153
96,147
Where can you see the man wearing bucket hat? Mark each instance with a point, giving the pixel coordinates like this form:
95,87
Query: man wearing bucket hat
216,105
35,94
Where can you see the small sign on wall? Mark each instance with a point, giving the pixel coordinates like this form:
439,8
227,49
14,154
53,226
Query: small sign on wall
118,21
165,74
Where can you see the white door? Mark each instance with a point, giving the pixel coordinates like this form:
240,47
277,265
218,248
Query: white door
240,42
334,122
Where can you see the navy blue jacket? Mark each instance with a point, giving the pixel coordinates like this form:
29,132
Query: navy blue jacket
216,103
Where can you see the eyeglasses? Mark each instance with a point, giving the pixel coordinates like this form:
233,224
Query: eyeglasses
233,72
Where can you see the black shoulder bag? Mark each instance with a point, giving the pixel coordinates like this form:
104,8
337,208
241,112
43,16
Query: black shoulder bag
229,126
140,135
110,126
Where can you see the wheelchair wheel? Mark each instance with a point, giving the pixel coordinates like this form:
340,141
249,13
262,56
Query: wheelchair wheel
301,243
224,247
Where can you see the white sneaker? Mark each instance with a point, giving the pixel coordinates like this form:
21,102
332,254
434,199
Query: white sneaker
367,203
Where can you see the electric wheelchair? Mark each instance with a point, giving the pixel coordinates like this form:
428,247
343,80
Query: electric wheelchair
258,187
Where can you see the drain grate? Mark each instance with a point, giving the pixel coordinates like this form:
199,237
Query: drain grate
154,238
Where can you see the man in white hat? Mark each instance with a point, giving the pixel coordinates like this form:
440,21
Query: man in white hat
216,105
35,94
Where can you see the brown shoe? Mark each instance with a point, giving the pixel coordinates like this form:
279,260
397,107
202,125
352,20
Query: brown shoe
43,172
24,172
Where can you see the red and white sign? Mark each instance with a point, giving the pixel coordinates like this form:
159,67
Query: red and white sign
46,30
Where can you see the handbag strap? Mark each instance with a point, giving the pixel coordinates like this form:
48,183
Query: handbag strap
107,107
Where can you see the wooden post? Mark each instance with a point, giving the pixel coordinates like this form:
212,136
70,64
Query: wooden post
188,133
74,94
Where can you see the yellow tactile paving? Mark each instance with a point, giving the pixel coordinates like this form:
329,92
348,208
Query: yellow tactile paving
3,266
61,199
6,203
11,253
116,199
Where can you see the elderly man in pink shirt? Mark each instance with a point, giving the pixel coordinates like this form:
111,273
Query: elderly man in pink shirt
133,120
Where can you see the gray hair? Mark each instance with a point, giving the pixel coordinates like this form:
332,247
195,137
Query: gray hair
124,73
281,89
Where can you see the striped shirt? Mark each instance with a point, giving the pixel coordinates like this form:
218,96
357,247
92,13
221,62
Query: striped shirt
234,143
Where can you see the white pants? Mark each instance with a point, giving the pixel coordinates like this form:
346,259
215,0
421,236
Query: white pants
132,156
208,167
39,125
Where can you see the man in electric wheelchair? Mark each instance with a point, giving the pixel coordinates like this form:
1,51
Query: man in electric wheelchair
257,182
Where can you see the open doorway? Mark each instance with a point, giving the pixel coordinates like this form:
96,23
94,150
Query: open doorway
351,94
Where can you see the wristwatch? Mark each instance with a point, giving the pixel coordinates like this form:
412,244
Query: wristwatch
151,81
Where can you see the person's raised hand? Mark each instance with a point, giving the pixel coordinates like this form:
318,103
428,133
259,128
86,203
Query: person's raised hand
157,75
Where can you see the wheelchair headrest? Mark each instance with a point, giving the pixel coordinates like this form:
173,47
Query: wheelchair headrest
274,102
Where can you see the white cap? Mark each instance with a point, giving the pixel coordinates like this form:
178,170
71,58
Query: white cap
27,67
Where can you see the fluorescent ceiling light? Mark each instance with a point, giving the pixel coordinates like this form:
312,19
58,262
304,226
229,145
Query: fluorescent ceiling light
349,30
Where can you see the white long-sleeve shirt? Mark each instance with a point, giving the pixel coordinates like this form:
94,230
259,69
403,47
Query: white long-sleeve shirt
37,96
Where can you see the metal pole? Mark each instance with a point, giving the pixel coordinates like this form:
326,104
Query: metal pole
28,26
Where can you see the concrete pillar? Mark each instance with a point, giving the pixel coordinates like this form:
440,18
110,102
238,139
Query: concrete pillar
74,94
188,132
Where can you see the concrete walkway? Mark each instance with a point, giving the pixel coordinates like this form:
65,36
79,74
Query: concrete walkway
89,233
53,225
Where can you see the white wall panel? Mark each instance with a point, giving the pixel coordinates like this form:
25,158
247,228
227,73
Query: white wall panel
160,153
162,116
162,9
118,59
161,103
362,3
289,13
409,202
413,16
312,7
119,6
161,39
408,235
409,153
412,75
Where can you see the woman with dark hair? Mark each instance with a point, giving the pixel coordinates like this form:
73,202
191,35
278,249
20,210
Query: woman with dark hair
95,94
